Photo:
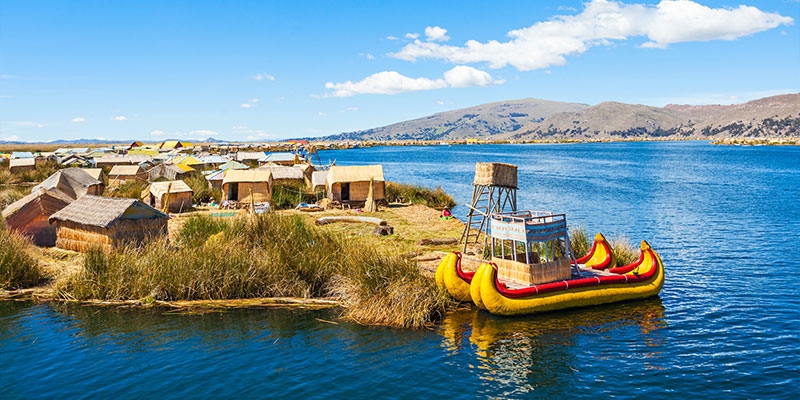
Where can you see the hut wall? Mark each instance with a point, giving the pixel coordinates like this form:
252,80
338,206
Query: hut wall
261,191
16,169
359,191
39,230
177,202
78,237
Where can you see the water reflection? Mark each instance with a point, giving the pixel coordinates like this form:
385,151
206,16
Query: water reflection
549,352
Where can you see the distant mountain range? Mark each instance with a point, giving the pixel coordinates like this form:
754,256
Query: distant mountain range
532,119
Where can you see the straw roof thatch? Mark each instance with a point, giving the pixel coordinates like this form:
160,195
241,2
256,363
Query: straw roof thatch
125,170
38,202
73,182
96,173
359,173
104,211
283,172
160,188
247,175
22,162
249,155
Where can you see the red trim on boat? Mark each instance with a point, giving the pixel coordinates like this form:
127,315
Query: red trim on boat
466,276
575,283
586,258
630,267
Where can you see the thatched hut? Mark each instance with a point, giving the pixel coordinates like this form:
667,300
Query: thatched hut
283,175
240,184
351,183
74,182
111,161
18,165
121,174
96,173
108,222
175,196
30,214
168,171
318,182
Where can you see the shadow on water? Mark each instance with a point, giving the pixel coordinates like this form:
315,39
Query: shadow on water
549,353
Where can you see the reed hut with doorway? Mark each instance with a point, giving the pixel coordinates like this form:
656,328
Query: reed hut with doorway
169,196
30,215
351,184
108,222
122,174
247,185
283,175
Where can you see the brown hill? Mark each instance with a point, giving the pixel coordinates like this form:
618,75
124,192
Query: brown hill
532,119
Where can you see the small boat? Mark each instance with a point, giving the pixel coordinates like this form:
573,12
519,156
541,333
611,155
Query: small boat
600,256
644,278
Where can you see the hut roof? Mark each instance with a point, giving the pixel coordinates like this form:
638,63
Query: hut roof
278,157
283,172
39,201
184,168
74,182
214,159
21,154
233,165
117,160
129,170
249,155
22,162
139,158
318,178
103,211
360,173
96,173
187,160
160,188
247,175
216,175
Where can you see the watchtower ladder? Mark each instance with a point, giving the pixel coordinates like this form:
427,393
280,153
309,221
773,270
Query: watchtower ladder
494,190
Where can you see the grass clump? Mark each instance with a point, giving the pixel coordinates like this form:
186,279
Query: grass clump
269,255
624,251
579,241
436,198
130,190
286,196
18,269
202,191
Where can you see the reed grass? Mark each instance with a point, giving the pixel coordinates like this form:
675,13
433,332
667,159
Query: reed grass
269,255
436,198
579,241
18,268
287,195
625,251
202,190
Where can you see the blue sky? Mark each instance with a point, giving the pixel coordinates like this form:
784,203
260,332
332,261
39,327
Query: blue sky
266,71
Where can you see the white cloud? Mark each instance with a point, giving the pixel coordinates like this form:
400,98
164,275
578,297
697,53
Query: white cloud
392,82
79,119
262,76
601,22
200,133
463,76
250,103
120,118
412,35
322,114
436,34
12,138
157,133
390,37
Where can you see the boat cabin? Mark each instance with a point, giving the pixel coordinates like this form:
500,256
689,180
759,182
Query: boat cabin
530,247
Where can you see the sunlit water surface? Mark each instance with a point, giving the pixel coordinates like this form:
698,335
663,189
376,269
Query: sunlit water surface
725,220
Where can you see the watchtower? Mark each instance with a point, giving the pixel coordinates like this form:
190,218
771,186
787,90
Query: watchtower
494,190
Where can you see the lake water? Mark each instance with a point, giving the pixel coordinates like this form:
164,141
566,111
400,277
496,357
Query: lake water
725,221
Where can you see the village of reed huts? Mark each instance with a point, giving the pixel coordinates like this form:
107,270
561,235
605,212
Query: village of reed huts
74,208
